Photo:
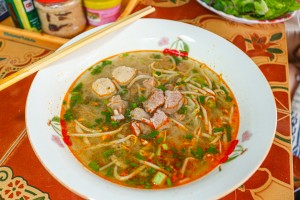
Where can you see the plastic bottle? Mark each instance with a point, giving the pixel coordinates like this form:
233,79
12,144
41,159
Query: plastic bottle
24,14
3,10
102,11
62,18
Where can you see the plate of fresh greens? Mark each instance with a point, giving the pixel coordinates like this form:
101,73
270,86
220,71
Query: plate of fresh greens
253,12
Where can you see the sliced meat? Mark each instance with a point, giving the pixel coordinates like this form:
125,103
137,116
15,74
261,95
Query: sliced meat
104,88
139,114
160,120
118,105
156,100
117,117
123,75
173,101
140,128
149,84
136,128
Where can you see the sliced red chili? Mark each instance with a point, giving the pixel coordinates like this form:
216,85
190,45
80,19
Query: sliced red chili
232,147
224,159
64,132
174,52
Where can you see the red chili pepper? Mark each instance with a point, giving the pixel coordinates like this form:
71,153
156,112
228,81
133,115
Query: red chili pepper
64,132
229,151
174,52
232,147
224,159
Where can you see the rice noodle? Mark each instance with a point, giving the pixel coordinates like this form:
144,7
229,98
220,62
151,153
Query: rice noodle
129,176
208,80
190,92
216,139
190,86
137,78
154,166
79,130
209,91
173,62
97,134
190,101
205,116
209,128
179,124
118,86
231,114
112,142
162,70
107,165
184,180
86,128
219,91
183,168
191,76
209,97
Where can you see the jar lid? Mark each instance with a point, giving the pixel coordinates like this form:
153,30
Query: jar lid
51,1
101,4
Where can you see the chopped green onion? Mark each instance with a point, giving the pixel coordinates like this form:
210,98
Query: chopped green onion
142,99
158,73
159,140
139,156
212,149
134,105
162,87
108,152
109,171
189,136
159,178
169,182
183,110
202,99
165,146
94,166
218,129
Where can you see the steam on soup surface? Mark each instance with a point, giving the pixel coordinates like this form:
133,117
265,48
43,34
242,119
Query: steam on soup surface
148,120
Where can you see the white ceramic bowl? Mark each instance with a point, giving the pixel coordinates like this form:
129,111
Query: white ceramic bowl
252,91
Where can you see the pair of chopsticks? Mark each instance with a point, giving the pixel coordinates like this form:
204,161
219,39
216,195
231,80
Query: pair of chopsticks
40,64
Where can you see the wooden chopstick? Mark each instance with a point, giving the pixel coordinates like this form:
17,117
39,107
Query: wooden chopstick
40,64
129,8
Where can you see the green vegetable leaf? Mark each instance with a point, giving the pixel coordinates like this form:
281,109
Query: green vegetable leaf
212,149
68,116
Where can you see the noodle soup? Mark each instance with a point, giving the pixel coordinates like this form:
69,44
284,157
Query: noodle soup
145,119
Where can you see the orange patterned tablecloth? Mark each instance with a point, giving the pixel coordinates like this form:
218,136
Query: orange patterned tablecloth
22,174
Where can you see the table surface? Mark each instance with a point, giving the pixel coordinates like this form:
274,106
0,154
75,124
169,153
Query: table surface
23,175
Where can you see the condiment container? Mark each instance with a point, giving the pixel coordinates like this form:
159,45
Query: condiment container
101,12
3,10
24,14
62,18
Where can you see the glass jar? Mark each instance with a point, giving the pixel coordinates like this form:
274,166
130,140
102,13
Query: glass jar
62,18
101,12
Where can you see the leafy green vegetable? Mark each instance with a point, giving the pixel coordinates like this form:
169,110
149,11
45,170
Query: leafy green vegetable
255,9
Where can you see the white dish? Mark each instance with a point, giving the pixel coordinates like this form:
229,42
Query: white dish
252,91
247,21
